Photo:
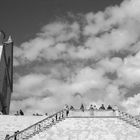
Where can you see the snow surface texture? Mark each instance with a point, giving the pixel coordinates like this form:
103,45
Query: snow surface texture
90,129
72,128
10,124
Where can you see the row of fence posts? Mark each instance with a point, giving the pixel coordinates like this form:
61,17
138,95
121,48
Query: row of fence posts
48,122
38,127
129,119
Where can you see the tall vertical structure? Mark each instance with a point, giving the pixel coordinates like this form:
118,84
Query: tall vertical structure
6,72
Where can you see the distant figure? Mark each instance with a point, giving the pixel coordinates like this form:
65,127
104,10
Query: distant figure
71,107
37,114
21,112
46,114
15,135
62,114
17,113
67,110
91,107
52,120
39,126
109,107
116,110
56,117
6,137
82,107
66,106
94,107
102,107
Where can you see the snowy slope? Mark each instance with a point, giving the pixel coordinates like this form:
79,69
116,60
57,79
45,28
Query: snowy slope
90,129
100,125
10,124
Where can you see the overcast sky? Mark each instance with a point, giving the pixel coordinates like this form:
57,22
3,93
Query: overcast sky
73,52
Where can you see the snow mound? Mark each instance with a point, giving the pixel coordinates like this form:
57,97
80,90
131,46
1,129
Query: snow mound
10,124
90,129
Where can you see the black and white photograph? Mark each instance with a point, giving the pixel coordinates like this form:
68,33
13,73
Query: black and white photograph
69,69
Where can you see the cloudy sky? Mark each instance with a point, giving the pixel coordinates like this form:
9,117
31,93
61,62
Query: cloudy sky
73,52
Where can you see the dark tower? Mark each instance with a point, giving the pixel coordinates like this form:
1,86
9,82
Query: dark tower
6,72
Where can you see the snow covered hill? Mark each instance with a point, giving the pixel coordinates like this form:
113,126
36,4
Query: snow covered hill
90,129
10,124
97,125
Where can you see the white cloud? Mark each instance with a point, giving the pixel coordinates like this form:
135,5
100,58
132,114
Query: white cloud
61,31
110,65
114,96
112,30
76,57
132,104
88,78
129,72
41,87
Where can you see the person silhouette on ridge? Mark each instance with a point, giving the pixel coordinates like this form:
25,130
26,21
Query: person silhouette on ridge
91,107
21,112
82,107
102,107
67,110
109,107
